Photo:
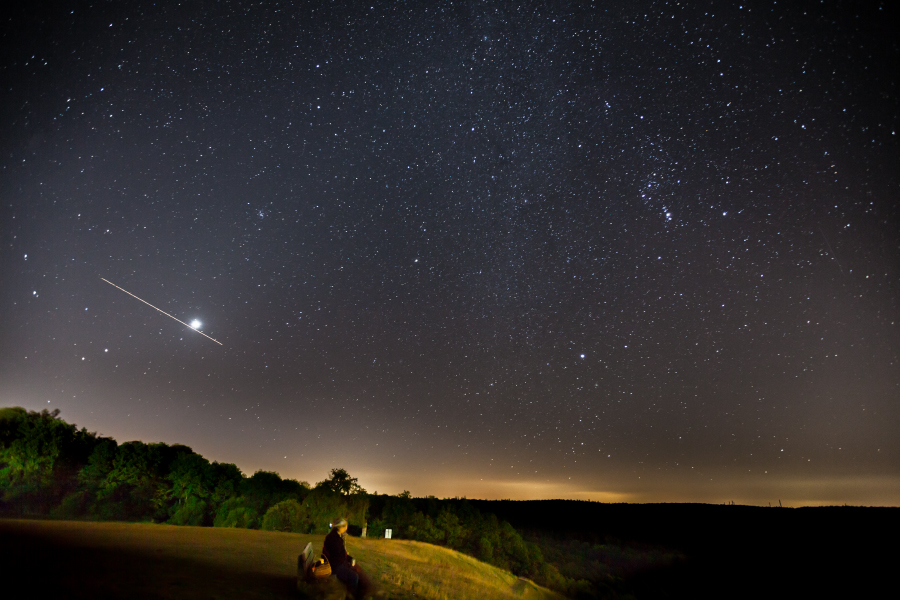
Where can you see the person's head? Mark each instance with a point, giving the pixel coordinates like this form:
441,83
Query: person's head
340,526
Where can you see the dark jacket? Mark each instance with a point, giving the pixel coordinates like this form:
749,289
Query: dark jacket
334,549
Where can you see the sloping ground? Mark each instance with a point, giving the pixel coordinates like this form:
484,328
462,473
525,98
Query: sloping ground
70,559
435,572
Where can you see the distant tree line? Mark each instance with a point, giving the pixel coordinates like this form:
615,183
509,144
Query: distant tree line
50,468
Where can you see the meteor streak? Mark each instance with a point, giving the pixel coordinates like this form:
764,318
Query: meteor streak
163,312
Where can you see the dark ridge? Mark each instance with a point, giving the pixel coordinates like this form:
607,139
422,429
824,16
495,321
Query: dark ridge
732,550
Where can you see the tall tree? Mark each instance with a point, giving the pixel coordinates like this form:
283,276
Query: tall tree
340,481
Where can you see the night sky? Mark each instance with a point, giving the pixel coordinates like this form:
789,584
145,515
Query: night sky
619,251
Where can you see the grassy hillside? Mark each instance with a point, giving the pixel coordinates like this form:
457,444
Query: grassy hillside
135,560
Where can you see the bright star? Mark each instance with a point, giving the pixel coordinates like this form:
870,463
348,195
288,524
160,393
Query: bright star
195,324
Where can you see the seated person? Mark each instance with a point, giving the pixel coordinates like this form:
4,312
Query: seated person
344,566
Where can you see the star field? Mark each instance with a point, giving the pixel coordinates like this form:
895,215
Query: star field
644,252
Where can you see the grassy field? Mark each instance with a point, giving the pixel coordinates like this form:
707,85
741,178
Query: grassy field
70,559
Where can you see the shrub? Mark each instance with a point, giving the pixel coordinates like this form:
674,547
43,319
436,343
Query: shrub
287,515
485,550
73,506
242,517
235,513
192,512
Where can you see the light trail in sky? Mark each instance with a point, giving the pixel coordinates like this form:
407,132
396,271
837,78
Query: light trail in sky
163,312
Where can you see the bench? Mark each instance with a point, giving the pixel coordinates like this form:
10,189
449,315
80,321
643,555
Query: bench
325,589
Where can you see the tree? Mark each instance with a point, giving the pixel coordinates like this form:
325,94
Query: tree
9,424
192,482
265,488
235,513
137,486
422,529
227,478
191,476
340,481
40,456
37,443
99,463
454,533
287,515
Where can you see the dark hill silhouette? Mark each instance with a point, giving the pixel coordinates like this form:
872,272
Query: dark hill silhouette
732,550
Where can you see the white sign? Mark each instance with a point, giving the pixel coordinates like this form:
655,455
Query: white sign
387,533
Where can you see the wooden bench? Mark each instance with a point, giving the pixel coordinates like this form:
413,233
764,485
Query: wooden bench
329,588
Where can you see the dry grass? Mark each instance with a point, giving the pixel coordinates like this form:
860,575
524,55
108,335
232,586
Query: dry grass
134,560
438,573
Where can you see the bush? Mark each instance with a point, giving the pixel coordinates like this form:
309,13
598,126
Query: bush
192,512
73,506
485,550
376,528
234,513
421,528
287,516
242,517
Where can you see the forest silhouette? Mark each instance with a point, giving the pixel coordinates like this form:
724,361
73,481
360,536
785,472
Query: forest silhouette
52,469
